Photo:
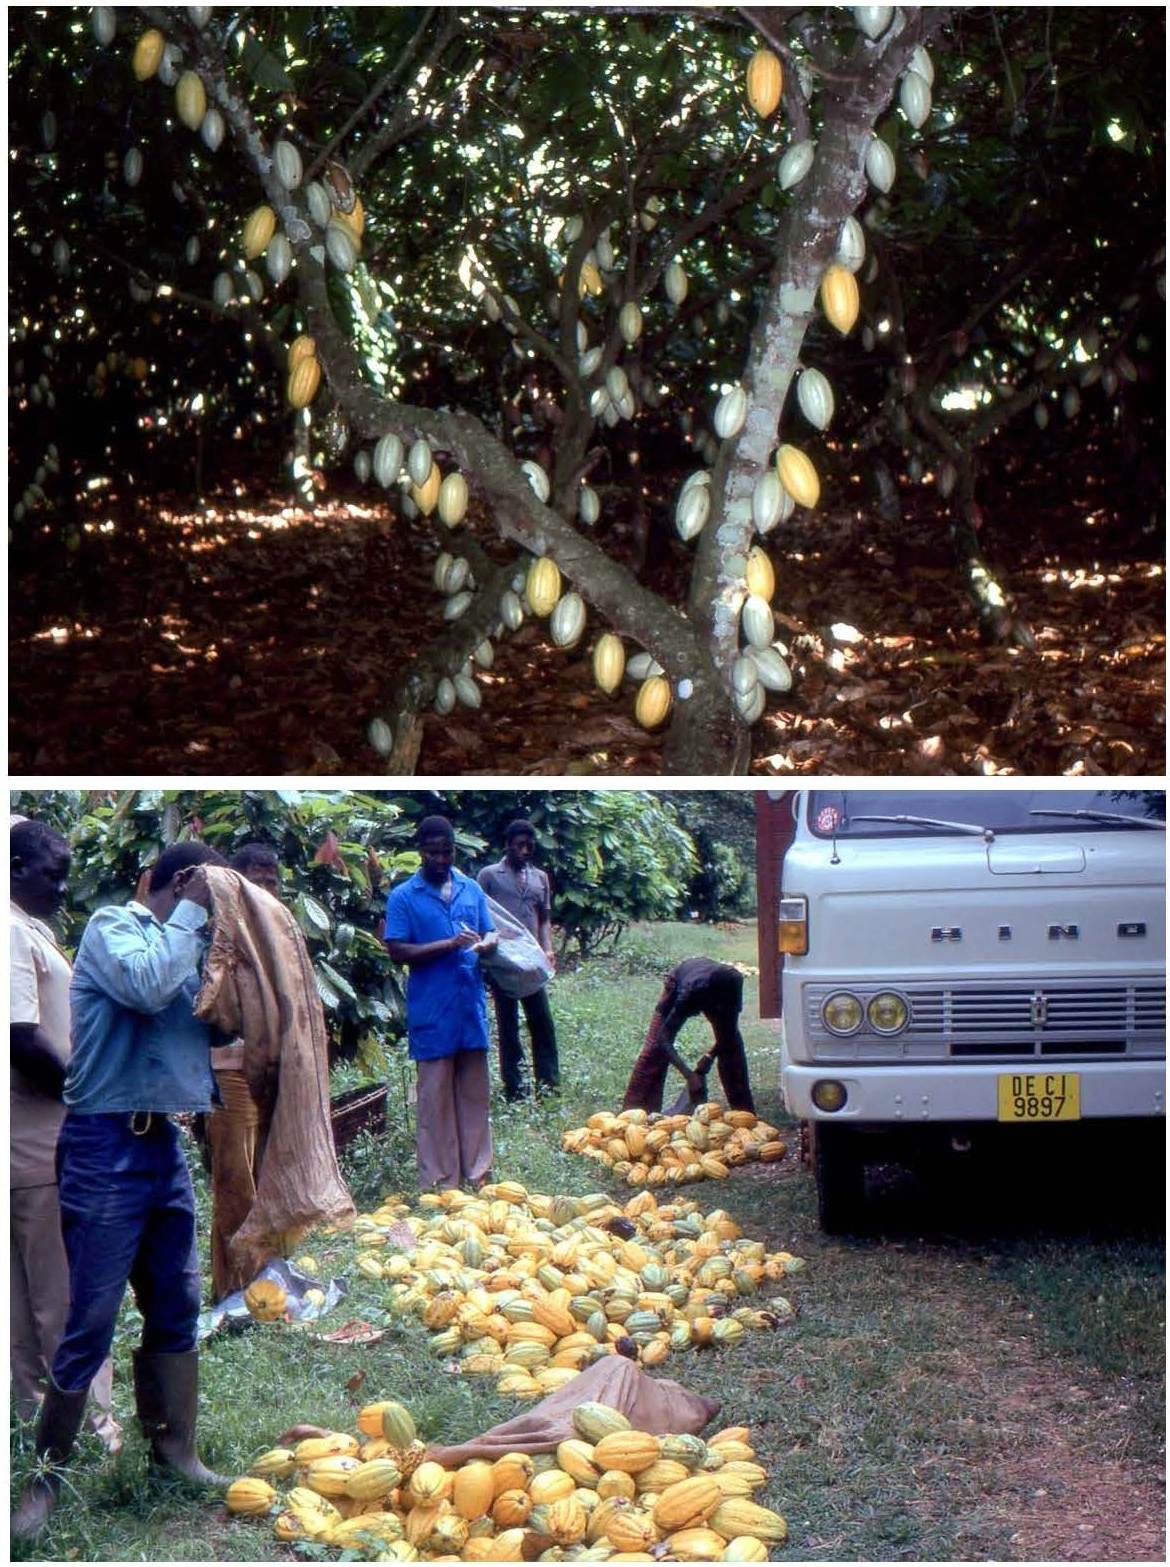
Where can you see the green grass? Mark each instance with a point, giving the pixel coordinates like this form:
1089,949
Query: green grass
891,1412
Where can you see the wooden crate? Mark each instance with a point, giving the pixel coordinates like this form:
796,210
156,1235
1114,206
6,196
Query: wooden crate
357,1110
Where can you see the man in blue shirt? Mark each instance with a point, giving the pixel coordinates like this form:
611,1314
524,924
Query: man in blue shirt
127,1209
437,923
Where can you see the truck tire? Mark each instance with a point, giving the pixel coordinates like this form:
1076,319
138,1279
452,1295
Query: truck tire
839,1171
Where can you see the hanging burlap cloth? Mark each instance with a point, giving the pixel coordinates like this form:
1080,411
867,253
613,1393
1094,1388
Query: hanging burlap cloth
649,1404
258,985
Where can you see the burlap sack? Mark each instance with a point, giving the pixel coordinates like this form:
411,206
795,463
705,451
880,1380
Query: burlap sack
258,984
649,1404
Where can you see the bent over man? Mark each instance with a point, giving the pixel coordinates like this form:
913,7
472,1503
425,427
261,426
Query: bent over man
694,986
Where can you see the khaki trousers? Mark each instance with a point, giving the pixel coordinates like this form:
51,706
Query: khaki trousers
236,1134
39,1296
454,1128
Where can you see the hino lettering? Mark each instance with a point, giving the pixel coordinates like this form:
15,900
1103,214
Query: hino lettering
1035,996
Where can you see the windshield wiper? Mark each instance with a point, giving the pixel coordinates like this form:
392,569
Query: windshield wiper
930,821
1105,816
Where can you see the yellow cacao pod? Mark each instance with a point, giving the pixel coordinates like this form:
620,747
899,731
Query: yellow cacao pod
373,1480
191,99
630,1529
428,1482
335,1444
148,53
426,496
760,576
511,1508
543,587
798,476
303,347
765,81
737,1516
473,1490
687,1503
277,1461
329,1476
592,1422
696,1545
258,230
512,1472
745,1549
653,703
397,1423
551,1486
250,1496
567,1521
303,381
840,299
266,1300
631,1451
357,1532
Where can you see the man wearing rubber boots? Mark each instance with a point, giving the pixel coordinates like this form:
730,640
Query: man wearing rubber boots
139,1057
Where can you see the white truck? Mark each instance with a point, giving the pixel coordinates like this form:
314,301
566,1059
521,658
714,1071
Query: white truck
963,964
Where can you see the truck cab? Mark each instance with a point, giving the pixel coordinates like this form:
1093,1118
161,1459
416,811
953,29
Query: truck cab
960,965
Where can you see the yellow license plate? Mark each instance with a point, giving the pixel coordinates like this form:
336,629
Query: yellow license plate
1040,1096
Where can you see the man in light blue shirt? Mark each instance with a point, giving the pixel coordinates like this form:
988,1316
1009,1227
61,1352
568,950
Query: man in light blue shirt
438,923
127,1209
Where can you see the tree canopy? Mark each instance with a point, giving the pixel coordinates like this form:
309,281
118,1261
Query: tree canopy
613,857
551,288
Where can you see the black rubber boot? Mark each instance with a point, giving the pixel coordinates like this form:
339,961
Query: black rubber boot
60,1421
166,1392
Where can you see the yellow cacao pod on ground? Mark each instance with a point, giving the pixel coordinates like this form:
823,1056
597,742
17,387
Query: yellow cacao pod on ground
329,1476
513,1472
631,1451
148,53
744,1549
630,1529
696,1545
551,1486
737,1516
687,1503
511,1508
277,1461
840,299
334,1444
765,81
266,1300
249,1496
304,380
373,1480
474,1489
592,1422
258,230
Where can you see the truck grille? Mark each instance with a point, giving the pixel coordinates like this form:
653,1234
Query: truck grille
1089,1018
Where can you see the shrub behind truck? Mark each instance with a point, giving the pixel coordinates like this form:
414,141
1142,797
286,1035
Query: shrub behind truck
960,966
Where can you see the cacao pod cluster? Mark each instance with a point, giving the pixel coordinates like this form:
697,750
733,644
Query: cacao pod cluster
531,1289
609,1492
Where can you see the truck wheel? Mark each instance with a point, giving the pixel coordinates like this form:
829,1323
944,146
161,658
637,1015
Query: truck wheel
839,1170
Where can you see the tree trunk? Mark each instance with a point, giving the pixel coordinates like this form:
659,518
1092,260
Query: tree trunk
705,737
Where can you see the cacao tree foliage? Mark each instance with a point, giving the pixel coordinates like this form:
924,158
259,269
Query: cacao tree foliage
612,856
503,289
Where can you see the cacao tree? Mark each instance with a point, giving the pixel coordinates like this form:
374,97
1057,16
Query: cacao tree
497,261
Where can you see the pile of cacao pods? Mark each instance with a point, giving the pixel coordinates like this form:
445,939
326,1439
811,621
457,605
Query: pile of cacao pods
531,1289
608,1493
669,1150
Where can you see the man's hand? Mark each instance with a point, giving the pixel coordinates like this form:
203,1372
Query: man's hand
192,884
464,939
488,942
696,1086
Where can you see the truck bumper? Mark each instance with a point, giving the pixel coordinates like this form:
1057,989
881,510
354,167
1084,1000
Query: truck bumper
968,1091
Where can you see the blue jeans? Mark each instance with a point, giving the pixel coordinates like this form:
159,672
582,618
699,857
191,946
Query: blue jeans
127,1217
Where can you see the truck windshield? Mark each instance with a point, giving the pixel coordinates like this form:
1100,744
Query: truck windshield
841,812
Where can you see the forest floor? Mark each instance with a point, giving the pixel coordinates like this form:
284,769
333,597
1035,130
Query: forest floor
246,636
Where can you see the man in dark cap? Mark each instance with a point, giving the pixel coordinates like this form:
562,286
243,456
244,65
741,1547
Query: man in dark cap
523,889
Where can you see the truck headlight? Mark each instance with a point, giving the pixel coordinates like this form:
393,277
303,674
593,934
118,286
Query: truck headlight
842,1013
827,1094
887,1013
